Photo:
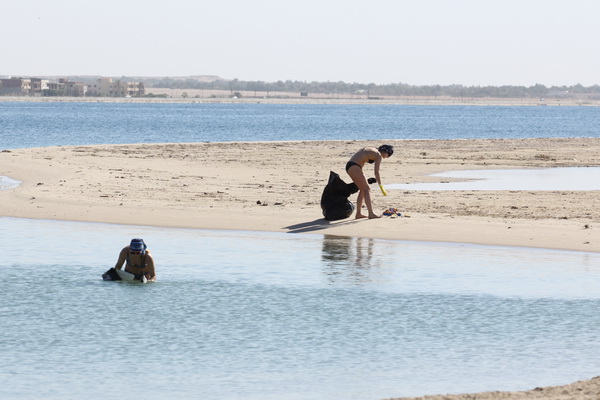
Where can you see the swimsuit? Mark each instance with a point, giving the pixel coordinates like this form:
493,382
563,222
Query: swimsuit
137,276
350,164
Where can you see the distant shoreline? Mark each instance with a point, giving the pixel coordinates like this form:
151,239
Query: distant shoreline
191,96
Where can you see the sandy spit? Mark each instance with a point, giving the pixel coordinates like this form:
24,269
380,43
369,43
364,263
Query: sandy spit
582,390
276,186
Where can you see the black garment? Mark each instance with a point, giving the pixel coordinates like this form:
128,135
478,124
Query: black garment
111,275
350,164
334,201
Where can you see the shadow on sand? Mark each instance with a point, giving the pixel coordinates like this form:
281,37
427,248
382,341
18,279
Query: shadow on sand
317,225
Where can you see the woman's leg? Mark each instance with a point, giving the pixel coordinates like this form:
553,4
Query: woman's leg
359,204
364,194
367,195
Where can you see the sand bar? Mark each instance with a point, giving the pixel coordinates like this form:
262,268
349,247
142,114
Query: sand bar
582,390
276,186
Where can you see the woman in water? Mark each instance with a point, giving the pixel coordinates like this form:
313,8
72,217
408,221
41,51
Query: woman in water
354,169
138,261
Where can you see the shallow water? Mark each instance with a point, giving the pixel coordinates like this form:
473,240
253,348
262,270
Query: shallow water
8,183
246,315
543,179
540,179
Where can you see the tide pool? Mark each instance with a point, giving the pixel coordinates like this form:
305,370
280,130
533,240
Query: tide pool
8,183
538,179
248,315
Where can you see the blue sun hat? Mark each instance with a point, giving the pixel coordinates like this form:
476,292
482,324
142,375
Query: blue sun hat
138,245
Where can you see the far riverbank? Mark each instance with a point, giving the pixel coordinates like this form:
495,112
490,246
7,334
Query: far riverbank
226,96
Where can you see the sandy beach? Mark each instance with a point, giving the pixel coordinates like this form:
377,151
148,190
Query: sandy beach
582,390
276,186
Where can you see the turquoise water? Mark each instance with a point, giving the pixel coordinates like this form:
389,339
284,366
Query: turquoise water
37,124
245,315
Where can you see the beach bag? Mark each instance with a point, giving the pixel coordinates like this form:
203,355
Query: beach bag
334,200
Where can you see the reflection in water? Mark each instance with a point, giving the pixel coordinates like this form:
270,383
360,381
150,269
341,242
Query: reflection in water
350,260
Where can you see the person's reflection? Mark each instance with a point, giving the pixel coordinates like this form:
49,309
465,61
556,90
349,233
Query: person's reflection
348,259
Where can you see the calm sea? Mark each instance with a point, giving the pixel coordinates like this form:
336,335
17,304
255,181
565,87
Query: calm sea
50,124
253,316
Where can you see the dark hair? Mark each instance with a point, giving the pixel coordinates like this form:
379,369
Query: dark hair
386,148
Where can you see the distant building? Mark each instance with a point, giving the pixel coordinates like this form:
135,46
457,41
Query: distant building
15,86
106,87
41,87
38,85
75,89
64,87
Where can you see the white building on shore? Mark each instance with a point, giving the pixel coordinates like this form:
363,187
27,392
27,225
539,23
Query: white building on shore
106,87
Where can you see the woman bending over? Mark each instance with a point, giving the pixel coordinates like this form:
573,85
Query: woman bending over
354,169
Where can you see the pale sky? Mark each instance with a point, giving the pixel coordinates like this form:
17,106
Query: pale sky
418,42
